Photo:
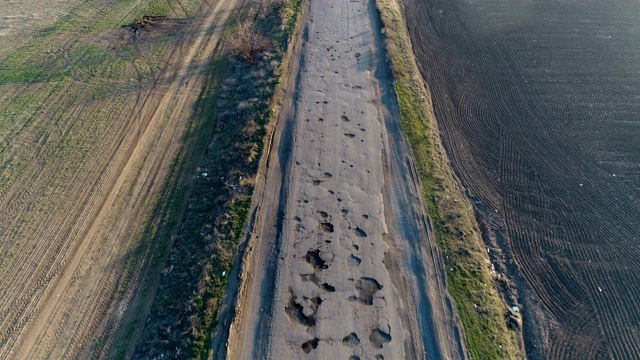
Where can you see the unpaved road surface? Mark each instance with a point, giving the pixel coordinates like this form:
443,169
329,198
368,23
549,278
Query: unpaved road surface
341,263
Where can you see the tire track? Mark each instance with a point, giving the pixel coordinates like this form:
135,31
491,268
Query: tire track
121,184
568,226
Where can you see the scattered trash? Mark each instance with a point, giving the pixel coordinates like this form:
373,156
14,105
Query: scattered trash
515,309
224,273
581,184
204,174
599,288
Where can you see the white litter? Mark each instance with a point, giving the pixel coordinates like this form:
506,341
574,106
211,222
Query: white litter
205,174
515,309
224,273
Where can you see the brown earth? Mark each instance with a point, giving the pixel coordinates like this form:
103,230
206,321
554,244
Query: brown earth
340,260
71,221
537,104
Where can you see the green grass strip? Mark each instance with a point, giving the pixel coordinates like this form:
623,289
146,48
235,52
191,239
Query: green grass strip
478,304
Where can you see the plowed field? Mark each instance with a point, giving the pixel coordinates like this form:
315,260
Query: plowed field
538,107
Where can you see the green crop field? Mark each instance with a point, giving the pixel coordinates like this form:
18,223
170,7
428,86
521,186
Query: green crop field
96,97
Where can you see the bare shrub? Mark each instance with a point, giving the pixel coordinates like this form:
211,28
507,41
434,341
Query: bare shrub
248,42
275,5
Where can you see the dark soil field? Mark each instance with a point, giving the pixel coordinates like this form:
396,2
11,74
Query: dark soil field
538,106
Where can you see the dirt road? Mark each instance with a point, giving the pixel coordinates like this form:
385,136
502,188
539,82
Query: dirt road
73,298
341,262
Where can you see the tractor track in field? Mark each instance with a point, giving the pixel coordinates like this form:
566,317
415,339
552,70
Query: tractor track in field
71,256
539,131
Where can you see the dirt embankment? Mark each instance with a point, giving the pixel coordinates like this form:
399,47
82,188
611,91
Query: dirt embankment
340,262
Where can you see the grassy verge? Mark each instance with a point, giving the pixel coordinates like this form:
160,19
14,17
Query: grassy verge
480,308
208,197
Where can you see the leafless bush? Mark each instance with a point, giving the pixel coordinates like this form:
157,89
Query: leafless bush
275,5
248,42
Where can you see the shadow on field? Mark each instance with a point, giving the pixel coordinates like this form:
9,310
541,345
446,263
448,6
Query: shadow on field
191,243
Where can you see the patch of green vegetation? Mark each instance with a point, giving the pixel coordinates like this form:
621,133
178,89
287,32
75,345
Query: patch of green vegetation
85,61
239,214
69,57
291,18
208,303
478,304
45,85
68,44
